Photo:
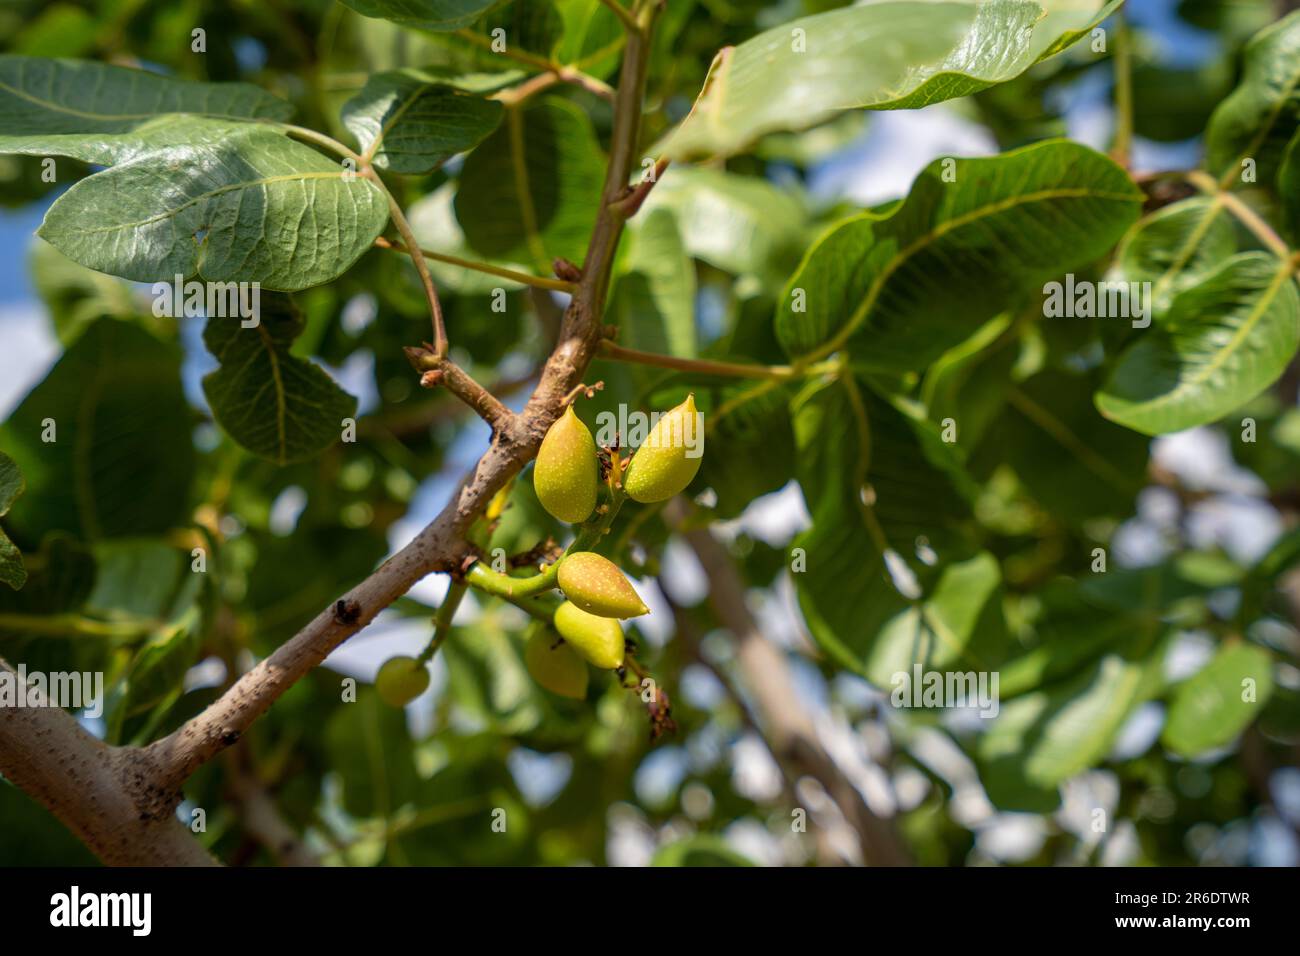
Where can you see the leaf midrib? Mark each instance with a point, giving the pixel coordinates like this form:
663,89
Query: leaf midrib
1200,374
896,262
203,197
83,114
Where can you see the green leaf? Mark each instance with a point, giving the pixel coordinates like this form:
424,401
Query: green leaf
433,220
1288,186
1259,117
901,288
121,457
1073,461
741,224
1172,104
413,123
369,747
1176,247
968,383
958,627
12,570
592,35
110,114
653,302
275,404
254,207
530,191
61,579
872,489
1217,703
1222,343
157,672
1041,739
441,15
74,295
877,56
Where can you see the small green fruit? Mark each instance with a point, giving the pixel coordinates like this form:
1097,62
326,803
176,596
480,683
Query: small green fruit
554,665
597,639
401,680
566,473
669,457
596,585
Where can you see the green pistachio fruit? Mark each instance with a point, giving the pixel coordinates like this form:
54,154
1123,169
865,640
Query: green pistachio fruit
669,457
566,473
596,585
599,640
401,680
554,665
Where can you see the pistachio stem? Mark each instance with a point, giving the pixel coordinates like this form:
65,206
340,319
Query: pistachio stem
442,620
619,353
523,278
1245,215
589,534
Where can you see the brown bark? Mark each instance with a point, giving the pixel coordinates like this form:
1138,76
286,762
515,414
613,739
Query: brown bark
120,800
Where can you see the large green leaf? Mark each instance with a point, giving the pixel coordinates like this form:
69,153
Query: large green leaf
413,123
958,627
12,570
742,224
110,114
884,55
253,207
1041,739
531,189
1073,461
122,455
1260,116
273,403
1176,248
426,14
873,490
653,301
901,288
1288,185
1211,708
1221,343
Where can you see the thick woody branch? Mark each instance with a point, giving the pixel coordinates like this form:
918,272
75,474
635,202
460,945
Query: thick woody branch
442,545
92,787
121,801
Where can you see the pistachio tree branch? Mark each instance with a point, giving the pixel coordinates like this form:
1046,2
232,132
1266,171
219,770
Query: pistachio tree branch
90,786
121,800
523,278
563,72
787,727
619,353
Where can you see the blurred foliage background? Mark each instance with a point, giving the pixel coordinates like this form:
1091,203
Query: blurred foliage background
1200,528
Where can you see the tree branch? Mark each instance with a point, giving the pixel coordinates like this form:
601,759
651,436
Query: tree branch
121,801
91,787
787,727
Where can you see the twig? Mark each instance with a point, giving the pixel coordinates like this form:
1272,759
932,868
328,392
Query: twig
566,74
523,278
619,353
421,266
1245,215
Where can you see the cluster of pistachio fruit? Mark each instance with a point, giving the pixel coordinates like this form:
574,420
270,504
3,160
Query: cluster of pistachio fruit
567,478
